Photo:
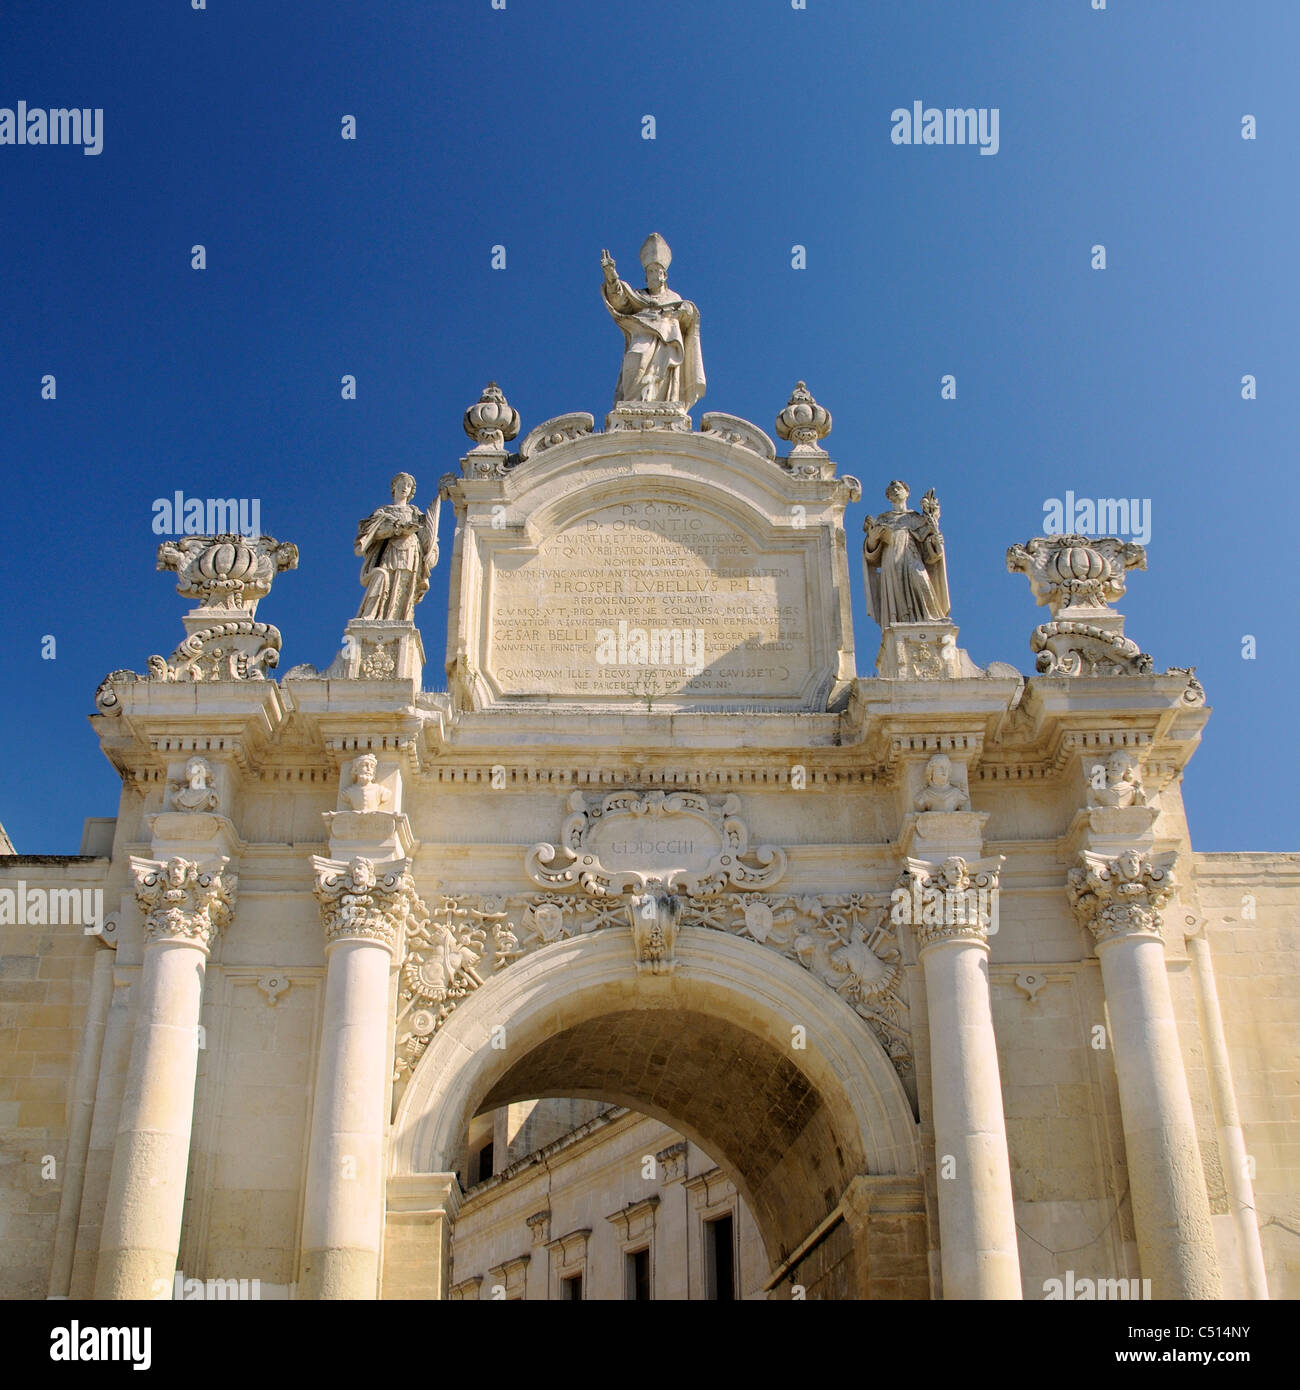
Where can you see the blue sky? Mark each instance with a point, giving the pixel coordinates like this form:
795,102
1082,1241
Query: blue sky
522,127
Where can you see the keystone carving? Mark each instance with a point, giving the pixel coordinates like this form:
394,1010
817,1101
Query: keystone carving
654,918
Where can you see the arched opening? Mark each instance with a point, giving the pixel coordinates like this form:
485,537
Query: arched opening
744,1053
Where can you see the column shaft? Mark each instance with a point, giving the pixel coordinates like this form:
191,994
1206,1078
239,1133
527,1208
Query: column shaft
344,1216
977,1226
1171,1212
142,1221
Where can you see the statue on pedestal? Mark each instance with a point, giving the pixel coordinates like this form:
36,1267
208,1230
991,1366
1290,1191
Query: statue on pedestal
662,360
399,546
907,577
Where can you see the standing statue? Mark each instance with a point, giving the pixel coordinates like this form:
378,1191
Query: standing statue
662,361
399,544
907,577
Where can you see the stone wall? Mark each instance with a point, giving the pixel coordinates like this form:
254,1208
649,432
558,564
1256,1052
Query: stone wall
45,985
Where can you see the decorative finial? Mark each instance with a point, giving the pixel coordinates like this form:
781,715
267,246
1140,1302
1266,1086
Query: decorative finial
490,421
803,422
1078,578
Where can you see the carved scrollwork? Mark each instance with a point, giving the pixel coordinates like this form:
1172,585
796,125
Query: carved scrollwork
630,841
847,941
233,651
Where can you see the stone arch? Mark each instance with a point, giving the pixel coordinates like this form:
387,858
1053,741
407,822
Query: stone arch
706,1048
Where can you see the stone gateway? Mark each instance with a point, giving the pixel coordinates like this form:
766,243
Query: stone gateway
812,983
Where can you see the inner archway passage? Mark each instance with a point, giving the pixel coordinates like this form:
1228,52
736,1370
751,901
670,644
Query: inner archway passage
754,1108
740,1050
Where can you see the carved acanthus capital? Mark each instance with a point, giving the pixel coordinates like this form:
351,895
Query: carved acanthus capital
956,900
365,901
1121,897
182,900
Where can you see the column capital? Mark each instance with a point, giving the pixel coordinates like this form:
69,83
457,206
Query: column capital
1120,898
953,900
184,901
364,901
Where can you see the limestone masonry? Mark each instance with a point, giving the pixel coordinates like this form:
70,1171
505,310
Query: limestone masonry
662,954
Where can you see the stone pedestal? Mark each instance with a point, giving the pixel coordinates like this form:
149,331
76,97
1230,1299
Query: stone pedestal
1119,900
935,835
379,650
364,908
648,415
186,904
922,651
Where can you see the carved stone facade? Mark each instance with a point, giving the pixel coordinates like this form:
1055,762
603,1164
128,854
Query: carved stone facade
838,944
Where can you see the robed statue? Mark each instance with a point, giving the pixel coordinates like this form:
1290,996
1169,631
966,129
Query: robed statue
399,546
907,577
661,361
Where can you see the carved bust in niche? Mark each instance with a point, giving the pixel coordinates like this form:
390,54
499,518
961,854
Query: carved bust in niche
195,791
940,792
1116,783
364,793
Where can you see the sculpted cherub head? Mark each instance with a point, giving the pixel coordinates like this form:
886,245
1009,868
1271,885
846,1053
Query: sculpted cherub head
1128,866
952,872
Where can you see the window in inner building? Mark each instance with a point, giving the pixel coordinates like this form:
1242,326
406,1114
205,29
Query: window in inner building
638,1275
484,1163
720,1259
571,1288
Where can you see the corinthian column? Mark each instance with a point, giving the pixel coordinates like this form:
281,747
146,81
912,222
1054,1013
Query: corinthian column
185,905
1119,901
952,907
364,908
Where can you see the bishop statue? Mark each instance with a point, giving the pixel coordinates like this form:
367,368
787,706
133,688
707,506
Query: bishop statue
661,359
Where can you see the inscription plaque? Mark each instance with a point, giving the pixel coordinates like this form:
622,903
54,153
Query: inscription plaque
644,598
